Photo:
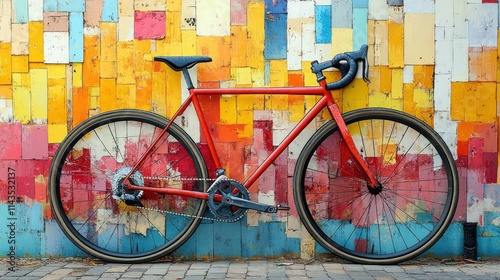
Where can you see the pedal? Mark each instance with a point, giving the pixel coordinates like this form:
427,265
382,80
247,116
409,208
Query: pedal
280,207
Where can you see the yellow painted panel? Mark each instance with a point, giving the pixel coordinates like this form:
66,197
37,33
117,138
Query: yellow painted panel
21,80
56,71
239,41
486,102
255,47
379,100
423,98
381,47
228,113
188,42
243,75
107,94
355,96
408,103
21,99
173,27
5,63
39,88
56,102
35,30
245,102
6,91
158,94
423,76
342,40
57,132
108,69
108,41
245,117
396,45
91,60
77,74
20,63
125,69
173,93
397,84
278,73
458,91
296,108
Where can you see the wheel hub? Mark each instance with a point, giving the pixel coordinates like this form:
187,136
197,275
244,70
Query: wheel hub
130,197
376,189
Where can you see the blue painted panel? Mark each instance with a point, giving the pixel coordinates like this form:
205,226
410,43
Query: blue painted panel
360,3
74,6
276,6
57,244
20,8
110,11
50,5
323,24
342,13
76,37
227,239
268,240
205,240
360,27
275,27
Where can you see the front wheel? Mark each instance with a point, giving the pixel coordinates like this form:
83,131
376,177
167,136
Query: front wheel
102,218
394,222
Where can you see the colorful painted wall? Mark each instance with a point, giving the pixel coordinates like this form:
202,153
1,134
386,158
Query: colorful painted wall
63,61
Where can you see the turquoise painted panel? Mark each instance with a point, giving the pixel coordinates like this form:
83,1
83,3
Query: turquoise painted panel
76,37
205,241
268,240
342,13
323,24
72,6
50,5
360,27
360,3
110,11
275,41
20,11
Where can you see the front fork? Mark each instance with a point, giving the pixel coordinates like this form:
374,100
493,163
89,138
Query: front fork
373,184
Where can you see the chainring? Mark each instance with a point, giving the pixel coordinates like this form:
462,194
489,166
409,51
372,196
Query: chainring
221,209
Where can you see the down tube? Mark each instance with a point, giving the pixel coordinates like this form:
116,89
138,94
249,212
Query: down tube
288,139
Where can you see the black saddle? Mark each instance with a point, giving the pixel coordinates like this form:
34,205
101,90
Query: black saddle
178,63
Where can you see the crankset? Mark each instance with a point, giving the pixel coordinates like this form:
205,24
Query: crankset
132,197
229,200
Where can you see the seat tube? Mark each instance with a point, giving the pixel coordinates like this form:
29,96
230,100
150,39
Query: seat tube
205,129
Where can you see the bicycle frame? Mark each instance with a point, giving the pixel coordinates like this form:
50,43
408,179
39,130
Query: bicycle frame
326,100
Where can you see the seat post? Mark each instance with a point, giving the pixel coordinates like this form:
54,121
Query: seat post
187,78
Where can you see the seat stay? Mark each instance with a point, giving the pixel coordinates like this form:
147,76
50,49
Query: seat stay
178,63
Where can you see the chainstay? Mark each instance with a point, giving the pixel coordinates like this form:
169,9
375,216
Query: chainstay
183,214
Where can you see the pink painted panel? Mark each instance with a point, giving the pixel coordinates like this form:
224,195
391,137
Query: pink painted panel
149,25
35,142
10,141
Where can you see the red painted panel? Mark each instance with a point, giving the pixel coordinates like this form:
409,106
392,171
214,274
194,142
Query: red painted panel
35,142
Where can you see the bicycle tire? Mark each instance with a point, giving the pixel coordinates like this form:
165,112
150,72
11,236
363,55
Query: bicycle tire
390,225
85,175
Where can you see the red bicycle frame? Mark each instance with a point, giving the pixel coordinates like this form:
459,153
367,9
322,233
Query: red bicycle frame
325,101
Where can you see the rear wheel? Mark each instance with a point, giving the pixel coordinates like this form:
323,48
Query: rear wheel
112,224
398,220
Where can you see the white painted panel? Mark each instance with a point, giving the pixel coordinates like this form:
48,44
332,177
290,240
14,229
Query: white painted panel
5,20
56,47
444,13
378,9
483,25
442,92
213,18
35,10
419,6
460,68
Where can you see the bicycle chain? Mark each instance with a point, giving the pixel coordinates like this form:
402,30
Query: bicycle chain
182,214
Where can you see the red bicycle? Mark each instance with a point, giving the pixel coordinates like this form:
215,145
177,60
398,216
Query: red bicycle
373,185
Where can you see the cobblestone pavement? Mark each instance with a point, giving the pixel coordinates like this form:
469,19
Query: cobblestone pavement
247,269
